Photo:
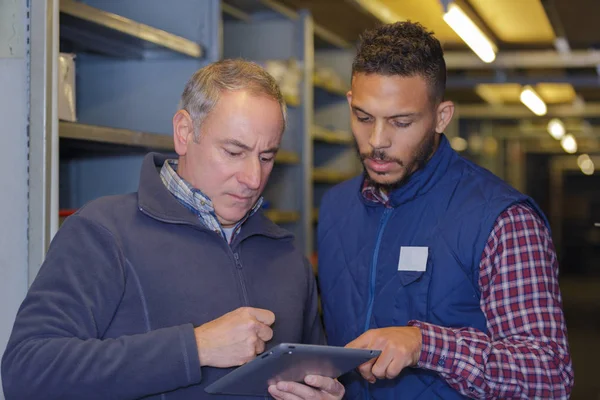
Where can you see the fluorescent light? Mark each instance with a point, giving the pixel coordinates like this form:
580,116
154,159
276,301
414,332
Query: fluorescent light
533,101
470,33
380,11
582,159
556,128
569,144
562,45
586,164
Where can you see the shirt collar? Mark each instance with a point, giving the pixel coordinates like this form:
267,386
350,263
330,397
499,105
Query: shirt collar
196,201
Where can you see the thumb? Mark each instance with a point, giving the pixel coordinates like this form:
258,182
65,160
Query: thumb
261,315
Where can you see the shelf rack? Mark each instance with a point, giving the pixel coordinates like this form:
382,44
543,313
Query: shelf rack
109,33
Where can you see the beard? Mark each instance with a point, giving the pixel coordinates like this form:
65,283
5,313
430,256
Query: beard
421,155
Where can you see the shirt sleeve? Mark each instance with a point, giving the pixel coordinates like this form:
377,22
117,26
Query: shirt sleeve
525,354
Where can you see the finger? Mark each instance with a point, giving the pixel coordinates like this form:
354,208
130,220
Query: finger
275,393
259,347
394,369
264,316
361,342
280,394
381,365
329,385
264,332
366,370
295,390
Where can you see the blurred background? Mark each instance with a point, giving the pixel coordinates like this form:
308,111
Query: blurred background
90,86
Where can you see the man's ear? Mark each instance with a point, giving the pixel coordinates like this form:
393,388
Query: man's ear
183,131
444,113
349,98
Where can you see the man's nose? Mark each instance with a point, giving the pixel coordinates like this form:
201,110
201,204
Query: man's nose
250,176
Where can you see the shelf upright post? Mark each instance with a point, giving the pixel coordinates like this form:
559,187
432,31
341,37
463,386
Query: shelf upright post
43,132
305,31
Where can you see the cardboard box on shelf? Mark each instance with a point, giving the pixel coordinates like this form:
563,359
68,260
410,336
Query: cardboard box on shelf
66,87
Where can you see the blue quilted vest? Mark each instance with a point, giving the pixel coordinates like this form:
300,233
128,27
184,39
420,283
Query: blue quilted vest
449,206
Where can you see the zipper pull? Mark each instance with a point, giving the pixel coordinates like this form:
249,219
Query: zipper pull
237,260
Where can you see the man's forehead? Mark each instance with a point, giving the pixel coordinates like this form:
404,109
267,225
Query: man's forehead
391,82
395,93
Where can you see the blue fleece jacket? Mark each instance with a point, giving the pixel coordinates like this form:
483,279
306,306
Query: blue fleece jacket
111,314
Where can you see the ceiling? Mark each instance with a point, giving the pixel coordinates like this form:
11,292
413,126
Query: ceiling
519,28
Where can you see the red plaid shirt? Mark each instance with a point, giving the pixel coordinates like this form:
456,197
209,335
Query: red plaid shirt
526,354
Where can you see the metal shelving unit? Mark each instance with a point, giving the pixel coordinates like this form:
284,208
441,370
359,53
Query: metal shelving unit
114,136
282,217
330,87
249,10
329,175
132,61
334,158
292,101
115,140
321,134
109,33
247,25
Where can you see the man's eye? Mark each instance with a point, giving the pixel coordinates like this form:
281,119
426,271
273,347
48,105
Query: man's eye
402,124
362,119
266,159
233,154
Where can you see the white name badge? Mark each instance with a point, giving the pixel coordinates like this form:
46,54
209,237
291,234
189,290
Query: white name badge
413,258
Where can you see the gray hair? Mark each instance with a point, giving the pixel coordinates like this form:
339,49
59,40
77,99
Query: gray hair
204,88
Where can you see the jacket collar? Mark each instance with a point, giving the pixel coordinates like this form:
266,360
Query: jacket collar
155,200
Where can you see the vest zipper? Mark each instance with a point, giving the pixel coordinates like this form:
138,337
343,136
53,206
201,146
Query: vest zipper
384,220
382,223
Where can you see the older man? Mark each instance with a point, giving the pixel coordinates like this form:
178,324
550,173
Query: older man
158,293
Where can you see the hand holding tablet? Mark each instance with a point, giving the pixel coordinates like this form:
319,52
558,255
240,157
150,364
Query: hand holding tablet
314,387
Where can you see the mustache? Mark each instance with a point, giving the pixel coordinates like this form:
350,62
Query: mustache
379,155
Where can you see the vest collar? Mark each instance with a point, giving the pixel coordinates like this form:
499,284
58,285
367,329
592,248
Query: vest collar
423,180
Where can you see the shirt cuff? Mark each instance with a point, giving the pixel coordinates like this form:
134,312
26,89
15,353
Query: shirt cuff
438,348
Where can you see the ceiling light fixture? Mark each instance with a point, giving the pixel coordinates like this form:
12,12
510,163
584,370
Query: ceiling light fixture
533,101
556,128
586,164
569,144
470,33
378,9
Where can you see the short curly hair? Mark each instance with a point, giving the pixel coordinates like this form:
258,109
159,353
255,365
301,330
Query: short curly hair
405,49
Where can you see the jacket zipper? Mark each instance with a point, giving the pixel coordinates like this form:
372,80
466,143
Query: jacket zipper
236,256
382,223
238,268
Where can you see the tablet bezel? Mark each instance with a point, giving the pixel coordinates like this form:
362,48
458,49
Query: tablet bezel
290,362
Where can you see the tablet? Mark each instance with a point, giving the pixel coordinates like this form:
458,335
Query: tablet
289,362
